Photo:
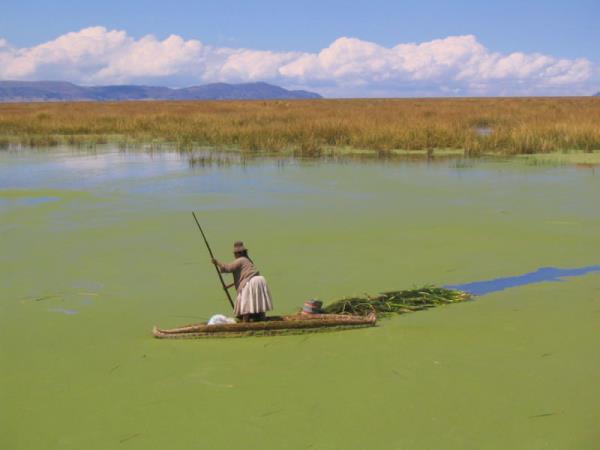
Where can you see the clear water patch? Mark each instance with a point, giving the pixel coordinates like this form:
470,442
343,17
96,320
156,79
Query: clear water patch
543,274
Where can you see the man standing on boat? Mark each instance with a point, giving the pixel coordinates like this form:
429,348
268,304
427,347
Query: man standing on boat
253,295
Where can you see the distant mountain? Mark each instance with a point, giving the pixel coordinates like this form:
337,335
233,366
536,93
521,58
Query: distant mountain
597,94
53,91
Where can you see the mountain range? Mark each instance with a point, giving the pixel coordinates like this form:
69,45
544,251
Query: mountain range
55,91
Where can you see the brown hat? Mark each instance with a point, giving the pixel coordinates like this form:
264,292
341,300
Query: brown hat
238,246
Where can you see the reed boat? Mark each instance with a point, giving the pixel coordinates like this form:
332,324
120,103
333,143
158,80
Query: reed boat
297,323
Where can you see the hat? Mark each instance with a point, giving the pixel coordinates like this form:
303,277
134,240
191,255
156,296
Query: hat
238,246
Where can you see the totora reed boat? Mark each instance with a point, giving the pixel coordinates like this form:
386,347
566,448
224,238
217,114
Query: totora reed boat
298,323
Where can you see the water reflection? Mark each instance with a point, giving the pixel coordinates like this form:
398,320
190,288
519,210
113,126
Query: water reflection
5,203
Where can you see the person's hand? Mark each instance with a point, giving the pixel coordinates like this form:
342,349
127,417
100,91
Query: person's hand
215,262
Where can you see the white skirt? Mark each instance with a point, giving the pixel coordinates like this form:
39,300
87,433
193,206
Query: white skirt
254,298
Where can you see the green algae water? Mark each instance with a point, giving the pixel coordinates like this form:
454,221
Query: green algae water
96,248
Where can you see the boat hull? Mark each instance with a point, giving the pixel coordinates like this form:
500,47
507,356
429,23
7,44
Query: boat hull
294,324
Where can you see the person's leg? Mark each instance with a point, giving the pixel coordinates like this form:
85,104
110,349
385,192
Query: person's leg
257,317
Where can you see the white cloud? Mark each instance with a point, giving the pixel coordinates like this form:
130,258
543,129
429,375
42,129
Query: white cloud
150,58
251,65
456,65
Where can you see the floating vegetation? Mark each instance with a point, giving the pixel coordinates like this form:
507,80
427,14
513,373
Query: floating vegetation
397,302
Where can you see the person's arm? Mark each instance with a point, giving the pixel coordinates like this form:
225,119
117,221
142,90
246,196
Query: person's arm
227,268
221,269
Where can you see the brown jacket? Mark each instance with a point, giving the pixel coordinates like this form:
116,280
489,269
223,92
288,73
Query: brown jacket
242,269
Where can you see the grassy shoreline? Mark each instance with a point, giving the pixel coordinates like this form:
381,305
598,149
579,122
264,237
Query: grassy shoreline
380,127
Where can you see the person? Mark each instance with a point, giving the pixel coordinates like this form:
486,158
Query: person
253,294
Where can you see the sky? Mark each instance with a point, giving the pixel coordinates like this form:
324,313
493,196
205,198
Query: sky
337,48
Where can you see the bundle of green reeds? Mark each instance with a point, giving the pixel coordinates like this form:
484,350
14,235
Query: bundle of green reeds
397,302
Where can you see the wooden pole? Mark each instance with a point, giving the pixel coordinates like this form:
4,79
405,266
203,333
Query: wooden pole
213,257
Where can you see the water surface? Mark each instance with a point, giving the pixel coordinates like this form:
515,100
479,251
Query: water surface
99,247
543,274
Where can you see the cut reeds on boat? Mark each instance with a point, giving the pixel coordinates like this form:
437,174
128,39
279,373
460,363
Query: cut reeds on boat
347,313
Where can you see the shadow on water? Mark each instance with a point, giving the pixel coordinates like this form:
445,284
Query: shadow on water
539,276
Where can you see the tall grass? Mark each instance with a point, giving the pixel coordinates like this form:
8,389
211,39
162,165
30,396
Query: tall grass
311,127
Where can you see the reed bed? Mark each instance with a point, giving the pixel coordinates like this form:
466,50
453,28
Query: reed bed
314,127
397,302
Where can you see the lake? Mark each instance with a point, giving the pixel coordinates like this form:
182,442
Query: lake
97,247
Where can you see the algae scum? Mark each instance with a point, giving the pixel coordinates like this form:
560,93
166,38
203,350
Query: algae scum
97,248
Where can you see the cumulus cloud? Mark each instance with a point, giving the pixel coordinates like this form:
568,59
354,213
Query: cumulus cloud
456,65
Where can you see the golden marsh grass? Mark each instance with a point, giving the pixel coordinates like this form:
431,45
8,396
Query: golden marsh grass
312,127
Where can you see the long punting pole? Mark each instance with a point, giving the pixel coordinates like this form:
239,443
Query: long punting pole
213,257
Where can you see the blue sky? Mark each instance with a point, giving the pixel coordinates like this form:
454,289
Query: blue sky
561,30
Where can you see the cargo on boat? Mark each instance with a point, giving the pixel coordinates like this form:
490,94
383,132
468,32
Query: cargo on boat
297,323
